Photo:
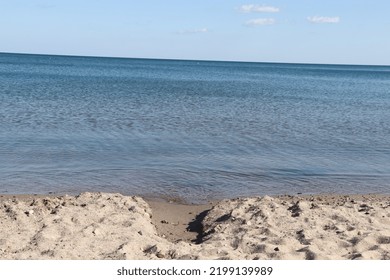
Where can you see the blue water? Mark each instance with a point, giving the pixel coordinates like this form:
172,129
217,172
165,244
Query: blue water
192,129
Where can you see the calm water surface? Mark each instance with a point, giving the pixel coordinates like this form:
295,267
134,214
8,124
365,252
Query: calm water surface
192,129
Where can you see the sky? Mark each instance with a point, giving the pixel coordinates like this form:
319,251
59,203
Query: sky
293,31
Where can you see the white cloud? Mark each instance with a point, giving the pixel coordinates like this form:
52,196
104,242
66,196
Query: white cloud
319,19
194,31
260,21
250,8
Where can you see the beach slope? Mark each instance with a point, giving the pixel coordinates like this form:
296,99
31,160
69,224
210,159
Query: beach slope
113,226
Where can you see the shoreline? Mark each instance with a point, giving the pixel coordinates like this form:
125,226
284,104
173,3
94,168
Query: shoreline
327,226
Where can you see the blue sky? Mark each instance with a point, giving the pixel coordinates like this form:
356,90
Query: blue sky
307,31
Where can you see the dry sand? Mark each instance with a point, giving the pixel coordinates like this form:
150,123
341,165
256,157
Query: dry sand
113,226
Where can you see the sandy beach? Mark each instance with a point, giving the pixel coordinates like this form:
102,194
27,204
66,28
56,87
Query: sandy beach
113,226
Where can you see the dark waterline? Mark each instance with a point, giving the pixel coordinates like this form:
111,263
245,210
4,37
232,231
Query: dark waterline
192,129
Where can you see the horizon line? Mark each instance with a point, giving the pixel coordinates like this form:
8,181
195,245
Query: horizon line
199,60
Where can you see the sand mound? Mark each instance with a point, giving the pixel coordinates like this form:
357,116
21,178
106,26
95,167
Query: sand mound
300,228
88,226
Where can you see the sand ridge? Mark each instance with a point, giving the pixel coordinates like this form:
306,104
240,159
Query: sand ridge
300,228
113,226
88,226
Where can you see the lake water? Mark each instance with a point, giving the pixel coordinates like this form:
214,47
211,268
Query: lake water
192,129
